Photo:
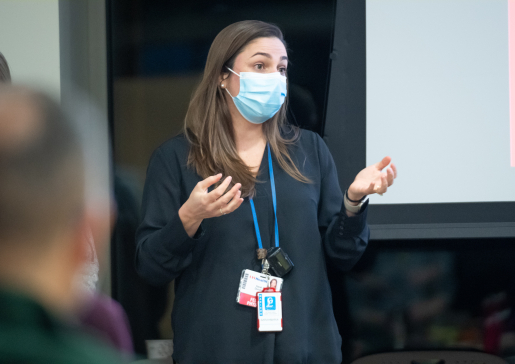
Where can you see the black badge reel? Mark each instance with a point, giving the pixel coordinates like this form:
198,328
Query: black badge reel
279,261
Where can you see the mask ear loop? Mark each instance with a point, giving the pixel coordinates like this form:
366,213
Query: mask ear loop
233,71
226,89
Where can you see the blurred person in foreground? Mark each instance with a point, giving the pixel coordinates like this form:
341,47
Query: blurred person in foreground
44,223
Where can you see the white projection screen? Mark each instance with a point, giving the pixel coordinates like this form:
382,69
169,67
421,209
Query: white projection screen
430,83
438,99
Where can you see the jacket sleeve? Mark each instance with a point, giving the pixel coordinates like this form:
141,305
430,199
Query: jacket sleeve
344,238
164,249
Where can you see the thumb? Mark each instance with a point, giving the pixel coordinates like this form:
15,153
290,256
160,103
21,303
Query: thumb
386,161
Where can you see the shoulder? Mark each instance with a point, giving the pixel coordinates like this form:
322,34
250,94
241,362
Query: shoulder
174,150
309,143
171,157
311,139
57,341
177,145
311,147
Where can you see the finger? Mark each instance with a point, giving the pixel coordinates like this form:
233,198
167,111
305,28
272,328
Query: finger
228,196
389,176
394,170
209,181
384,184
219,191
380,183
386,161
377,186
234,204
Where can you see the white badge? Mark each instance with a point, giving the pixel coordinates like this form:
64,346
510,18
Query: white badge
269,311
253,282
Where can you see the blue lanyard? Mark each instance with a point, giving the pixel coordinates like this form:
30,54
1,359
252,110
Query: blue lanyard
274,200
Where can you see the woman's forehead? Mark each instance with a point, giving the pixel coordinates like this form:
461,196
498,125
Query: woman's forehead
265,46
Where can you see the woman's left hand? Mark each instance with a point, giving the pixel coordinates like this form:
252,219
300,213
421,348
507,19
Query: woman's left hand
373,180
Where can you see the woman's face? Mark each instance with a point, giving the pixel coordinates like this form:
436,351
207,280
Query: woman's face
263,55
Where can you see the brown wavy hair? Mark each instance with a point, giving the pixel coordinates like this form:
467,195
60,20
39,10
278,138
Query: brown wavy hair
208,125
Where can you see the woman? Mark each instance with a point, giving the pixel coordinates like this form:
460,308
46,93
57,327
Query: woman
199,226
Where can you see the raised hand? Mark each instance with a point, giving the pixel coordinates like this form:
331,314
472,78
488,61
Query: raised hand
373,180
203,204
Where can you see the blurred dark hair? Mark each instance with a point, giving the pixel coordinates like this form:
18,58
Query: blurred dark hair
41,166
5,74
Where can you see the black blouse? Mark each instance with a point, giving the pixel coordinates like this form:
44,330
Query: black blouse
209,326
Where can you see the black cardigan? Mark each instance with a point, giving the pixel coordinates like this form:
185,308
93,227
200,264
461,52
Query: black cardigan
209,326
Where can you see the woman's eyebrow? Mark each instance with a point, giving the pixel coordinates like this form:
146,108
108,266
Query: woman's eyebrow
267,55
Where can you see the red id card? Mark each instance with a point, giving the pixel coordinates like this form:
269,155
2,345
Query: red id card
253,282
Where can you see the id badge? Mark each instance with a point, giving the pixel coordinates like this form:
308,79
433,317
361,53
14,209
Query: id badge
253,282
269,311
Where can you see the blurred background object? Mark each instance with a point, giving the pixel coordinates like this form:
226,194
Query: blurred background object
433,295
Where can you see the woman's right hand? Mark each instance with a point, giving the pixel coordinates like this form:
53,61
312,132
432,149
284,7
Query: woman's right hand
203,204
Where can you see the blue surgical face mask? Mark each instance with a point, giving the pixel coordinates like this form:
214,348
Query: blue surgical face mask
261,95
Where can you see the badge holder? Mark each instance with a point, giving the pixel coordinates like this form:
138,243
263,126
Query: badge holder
269,311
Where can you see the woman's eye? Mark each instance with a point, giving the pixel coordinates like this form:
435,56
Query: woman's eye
282,71
259,66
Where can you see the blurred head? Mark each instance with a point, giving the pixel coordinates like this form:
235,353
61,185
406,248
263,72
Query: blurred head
5,74
43,220
246,46
273,283
41,172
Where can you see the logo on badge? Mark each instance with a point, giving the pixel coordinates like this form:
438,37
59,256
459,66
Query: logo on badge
270,303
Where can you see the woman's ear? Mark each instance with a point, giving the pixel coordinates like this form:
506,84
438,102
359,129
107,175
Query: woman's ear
223,79
224,76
